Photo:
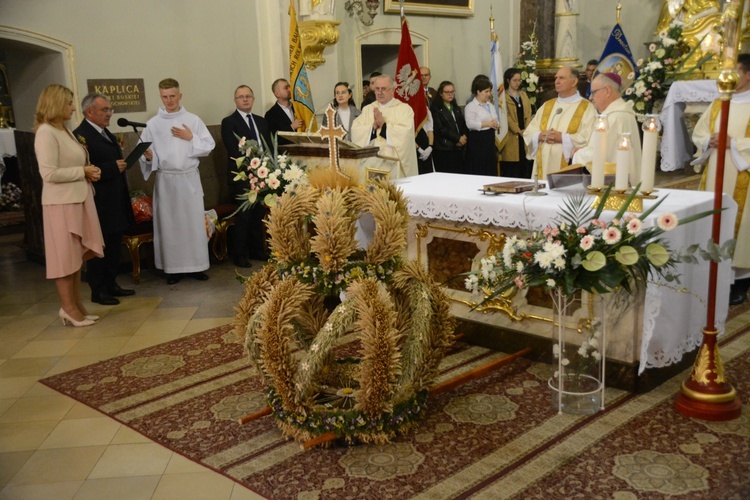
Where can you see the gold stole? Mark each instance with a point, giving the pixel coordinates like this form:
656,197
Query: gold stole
743,178
573,125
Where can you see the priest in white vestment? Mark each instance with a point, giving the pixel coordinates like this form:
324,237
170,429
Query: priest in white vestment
605,96
736,165
179,139
560,125
389,124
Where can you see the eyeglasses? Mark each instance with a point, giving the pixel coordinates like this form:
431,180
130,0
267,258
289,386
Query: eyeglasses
595,91
245,97
449,92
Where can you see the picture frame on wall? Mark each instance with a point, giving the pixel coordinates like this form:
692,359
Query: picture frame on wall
451,8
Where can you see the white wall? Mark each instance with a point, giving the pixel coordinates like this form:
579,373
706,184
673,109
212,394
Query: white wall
212,46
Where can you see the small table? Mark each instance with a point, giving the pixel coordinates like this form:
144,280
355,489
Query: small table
676,144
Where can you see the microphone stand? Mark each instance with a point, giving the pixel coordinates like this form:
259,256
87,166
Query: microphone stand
535,191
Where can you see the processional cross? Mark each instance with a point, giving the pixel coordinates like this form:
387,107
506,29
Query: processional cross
333,133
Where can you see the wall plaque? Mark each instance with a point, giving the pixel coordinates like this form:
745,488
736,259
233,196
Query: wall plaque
125,94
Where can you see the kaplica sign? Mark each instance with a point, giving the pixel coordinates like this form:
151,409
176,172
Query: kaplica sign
125,94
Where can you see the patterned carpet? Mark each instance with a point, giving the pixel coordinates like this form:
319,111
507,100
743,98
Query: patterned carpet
497,437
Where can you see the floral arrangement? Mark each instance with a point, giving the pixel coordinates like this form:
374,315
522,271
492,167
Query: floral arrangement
10,198
526,62
583,252
267,173
667,57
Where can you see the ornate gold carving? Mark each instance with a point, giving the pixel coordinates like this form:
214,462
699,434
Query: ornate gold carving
701,370
718,366
615,201
316,35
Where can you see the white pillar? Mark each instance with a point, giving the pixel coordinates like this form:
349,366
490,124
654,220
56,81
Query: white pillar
566,38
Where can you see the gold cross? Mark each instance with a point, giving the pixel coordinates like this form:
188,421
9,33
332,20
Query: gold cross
333,133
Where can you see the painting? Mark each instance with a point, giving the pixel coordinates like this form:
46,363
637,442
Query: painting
374,174
453,8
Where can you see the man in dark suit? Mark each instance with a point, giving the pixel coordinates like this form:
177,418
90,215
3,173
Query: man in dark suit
281,115
247,233
111,196
431,93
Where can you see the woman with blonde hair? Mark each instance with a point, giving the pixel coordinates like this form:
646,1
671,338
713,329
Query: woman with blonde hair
72,233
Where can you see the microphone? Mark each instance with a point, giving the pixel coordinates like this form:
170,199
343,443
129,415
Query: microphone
124,122
546,132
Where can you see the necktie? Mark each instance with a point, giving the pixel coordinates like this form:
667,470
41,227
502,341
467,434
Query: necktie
252,127
106,137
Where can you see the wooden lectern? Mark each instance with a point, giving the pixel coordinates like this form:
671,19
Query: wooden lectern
313,150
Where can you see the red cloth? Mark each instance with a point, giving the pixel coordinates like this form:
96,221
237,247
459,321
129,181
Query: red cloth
409,88
143,208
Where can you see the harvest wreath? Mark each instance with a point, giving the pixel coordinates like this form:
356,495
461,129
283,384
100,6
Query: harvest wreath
346,339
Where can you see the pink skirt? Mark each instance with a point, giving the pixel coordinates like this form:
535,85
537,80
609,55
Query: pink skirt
72,235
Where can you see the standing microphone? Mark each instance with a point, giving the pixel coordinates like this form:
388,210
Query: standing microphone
546,132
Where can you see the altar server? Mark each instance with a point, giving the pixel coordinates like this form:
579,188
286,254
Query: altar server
178,139
559,125
736,173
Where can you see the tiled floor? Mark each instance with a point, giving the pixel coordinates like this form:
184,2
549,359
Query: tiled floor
52,447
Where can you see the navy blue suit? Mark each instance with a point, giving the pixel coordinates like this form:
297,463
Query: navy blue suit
113,206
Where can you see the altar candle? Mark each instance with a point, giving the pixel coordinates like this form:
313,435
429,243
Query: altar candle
599,144
651,127
623,161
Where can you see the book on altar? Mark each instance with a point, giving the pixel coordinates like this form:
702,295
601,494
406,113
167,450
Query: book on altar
511,187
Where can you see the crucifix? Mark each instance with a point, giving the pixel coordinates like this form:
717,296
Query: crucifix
333,133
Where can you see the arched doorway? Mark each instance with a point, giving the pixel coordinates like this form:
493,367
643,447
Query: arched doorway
33,61
378,51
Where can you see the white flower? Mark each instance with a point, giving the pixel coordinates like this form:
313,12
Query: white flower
587,242
652,47
668,42
533,78
551,283
314,348
241,143
629,91
274,183
282,160
663,34
667,222
596,355
471,282
254,163
565,362
559,263
262,172
519,267
305,366
611,235
634,226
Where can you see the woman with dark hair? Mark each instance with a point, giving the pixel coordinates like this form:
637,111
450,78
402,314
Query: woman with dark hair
513,161
72,234
482,122
346,110
449,130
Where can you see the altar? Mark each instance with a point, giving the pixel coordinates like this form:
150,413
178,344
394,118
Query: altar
452,223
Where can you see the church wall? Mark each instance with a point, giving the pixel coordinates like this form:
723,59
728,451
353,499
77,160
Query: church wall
211,47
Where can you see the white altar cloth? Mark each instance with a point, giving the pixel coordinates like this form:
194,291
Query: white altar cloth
672,319
676,145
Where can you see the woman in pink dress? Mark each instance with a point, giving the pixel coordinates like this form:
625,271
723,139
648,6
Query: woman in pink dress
71,227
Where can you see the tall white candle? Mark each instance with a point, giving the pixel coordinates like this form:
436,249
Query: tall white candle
599,144
623,161
651,127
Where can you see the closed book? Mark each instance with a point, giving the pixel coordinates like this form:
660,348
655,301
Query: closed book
511,187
